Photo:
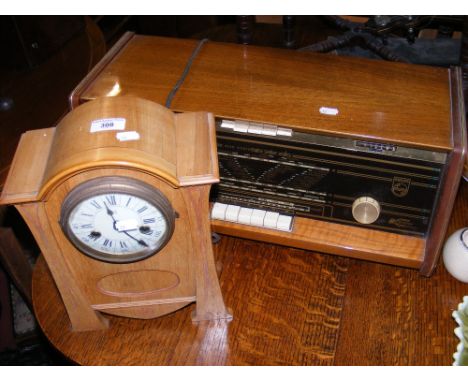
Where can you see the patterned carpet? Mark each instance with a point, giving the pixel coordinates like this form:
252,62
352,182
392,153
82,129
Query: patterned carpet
33,349
39,353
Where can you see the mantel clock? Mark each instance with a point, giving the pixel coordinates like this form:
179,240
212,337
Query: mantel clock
117,198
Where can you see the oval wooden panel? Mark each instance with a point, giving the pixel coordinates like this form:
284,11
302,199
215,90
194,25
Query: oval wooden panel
137,283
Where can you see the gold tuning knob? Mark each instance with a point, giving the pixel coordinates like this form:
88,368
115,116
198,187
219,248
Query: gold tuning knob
366,210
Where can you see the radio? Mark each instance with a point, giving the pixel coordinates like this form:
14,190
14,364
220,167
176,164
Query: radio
341,155
334,179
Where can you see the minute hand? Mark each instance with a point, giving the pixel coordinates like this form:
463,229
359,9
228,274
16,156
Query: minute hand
111,214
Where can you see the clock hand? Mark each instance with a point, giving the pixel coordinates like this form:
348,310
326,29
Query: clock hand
139,241
111,214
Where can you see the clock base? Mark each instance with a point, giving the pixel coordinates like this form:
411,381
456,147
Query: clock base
146,312
227,316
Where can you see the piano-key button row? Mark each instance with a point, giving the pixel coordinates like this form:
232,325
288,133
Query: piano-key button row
256,128
251,216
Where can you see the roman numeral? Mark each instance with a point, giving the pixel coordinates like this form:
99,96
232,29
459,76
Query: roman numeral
149,232
144,208
108,243
123,244
96,204
149,220
128,201
111,199
87,226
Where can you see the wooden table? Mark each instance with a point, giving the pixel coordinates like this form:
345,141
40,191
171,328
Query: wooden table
290,306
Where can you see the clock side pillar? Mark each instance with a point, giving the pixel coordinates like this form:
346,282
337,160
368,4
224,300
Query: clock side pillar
209,299
82,316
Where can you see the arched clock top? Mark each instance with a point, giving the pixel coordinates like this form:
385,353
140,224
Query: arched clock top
115,132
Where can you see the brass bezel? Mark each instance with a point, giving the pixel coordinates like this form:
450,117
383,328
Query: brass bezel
123,185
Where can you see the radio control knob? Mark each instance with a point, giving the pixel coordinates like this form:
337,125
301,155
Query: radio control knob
366,210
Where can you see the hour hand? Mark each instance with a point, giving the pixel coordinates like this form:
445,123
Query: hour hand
109,211
111,214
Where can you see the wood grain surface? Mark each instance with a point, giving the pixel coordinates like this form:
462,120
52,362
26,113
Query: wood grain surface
397,317
290,307
388,101
340,239
286,306
30,161
452,176
76,148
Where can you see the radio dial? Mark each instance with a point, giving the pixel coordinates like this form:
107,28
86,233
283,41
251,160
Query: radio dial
366,210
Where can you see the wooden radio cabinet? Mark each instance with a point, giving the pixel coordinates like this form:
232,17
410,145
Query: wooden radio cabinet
409,116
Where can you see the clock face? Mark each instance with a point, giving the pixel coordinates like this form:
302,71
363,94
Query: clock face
117,219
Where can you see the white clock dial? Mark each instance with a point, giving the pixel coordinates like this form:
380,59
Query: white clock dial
117,226
118,223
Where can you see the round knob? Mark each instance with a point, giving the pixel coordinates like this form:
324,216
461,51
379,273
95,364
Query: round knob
366,210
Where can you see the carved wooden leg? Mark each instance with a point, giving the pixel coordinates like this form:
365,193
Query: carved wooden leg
289,24
245,29
210,303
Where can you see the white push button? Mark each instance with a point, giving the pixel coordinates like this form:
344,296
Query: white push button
257,218
270,220
241,126
255,128
245,216
227,124
219,211
284,223
284,132
269,129
232,213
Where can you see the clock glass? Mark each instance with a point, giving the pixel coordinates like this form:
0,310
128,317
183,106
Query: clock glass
117,219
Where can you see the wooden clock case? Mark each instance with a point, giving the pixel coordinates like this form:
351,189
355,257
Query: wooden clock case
175,154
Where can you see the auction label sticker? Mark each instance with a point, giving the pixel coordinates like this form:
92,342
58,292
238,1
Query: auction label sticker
107,124
127,136
329,110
